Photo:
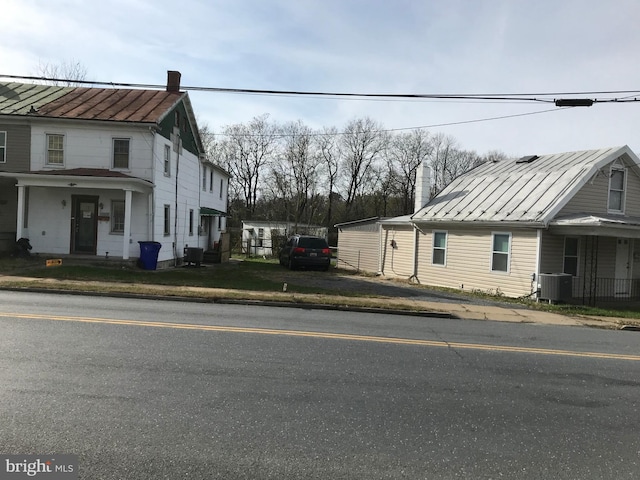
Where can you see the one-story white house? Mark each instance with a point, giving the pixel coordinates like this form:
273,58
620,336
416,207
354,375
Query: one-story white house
515,227
260,238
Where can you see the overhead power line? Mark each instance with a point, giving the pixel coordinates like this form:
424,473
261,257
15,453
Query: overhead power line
541,97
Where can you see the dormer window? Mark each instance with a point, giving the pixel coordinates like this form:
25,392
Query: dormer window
617,182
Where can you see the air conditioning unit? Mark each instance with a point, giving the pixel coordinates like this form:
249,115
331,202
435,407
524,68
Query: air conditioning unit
556,287
193,255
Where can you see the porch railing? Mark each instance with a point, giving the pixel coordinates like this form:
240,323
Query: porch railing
592,290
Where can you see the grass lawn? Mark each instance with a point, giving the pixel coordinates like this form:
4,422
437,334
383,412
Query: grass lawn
249,274
255,275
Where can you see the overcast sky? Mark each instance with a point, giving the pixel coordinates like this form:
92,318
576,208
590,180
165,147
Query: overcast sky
359,46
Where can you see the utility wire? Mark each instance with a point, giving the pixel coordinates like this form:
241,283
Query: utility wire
547,97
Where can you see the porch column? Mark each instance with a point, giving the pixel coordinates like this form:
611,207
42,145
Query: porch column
20,220
127,225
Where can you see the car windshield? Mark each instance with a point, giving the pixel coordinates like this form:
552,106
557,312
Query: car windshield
312,243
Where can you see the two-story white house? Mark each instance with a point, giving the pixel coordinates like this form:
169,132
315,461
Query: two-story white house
95,171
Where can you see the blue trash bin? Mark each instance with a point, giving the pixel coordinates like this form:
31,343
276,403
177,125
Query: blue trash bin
149,255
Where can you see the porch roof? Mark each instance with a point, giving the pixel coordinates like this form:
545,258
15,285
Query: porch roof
211,212
92,178
598,225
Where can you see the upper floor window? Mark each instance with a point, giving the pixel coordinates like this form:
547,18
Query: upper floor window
211,181
571,256
501,252
55,149
204,178
3,147
439,248
616,189
221,186
117,216
121,152
167,160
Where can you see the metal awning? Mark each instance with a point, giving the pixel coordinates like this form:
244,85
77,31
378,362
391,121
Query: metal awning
211,212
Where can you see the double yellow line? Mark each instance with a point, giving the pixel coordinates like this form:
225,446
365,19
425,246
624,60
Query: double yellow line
326,335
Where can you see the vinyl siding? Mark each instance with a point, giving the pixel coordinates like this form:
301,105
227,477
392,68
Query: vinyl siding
397,262
18,148
593,197
359,250
468,262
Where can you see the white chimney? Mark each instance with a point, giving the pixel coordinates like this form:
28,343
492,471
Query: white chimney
423,186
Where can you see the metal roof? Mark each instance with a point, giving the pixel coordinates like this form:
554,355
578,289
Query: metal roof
512,191
81,103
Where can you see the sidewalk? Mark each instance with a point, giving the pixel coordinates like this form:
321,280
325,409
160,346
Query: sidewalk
380,304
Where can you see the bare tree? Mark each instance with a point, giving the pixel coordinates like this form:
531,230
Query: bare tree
246,152
62,74
406,152
328,151
362,143
295,175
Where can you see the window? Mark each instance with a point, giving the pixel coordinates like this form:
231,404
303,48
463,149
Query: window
439,248
55,149
191,222
221,187
616,189
211,181
167,160
120,153
219,223
117,216
3,147
204,178
571,256
260,237
167,220
500,253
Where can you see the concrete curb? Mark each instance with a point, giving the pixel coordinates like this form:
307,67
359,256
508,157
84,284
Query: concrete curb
230,301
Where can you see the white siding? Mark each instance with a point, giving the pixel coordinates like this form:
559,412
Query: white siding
92,147
397,261
50,223
359,250
468,264
185,170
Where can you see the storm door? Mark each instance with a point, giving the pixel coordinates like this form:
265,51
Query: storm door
84,224
623,268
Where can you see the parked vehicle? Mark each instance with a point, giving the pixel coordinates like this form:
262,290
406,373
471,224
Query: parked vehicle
305,251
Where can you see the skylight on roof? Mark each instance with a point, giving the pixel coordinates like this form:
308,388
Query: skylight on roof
528,159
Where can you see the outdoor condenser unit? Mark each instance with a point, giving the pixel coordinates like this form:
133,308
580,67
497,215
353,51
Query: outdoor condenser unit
193,255
555,287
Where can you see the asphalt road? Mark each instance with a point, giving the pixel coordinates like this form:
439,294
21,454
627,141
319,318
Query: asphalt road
143,389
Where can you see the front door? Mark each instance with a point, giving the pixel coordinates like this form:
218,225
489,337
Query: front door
623,267
84,224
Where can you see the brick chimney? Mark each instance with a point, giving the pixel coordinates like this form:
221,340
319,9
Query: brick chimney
173,81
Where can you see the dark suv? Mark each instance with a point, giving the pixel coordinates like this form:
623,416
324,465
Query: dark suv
305,251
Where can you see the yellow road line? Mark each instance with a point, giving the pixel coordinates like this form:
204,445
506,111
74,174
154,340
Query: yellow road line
326,335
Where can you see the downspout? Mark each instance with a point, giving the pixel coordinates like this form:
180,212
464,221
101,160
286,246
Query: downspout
151,233
536,275
175,222
380,272
416,232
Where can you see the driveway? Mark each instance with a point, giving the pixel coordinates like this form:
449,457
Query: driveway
341,282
